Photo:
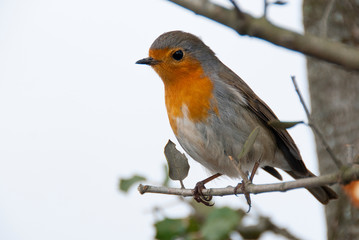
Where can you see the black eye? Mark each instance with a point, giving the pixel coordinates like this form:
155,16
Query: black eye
178,55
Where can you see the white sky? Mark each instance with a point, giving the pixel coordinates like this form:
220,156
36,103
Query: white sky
76,114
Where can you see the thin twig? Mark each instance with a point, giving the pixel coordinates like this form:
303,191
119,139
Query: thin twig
301,99
325,144
324,20
238,10
314,127
343,176
278,230
350,155
266,4
263,225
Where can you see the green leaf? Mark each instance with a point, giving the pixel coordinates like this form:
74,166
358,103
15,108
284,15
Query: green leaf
177,162
249,143
220,223
169,229
282,125
193,224
127,183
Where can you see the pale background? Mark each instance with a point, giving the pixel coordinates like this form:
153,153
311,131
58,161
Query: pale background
76,114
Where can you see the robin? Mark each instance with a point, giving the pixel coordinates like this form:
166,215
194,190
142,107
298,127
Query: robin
212,111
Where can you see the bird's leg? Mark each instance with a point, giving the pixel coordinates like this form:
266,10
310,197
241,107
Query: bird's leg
243,175
254,170
242,186
245,181
197,191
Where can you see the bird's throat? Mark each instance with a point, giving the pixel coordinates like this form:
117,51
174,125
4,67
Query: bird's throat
189,95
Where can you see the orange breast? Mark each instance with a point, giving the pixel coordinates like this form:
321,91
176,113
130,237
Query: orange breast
191,95
186,89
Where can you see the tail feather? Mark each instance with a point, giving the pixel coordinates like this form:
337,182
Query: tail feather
323,193
272,171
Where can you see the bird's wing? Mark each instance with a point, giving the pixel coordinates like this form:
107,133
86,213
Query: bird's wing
265,114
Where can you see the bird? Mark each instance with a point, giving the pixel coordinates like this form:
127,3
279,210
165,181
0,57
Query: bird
212,112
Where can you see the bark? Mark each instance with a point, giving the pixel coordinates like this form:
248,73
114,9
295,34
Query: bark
334,94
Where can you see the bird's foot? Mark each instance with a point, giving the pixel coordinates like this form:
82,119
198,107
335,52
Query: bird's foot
199,196
246,194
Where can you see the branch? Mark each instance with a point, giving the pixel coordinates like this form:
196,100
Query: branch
314,127
238,10
252,230
344,176
245,24
263,225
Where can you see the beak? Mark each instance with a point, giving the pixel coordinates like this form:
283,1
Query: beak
148,61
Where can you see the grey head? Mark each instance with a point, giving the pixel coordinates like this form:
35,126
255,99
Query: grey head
188,42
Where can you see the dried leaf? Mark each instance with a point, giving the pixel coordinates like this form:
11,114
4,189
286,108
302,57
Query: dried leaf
249,143
177,162
283,125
